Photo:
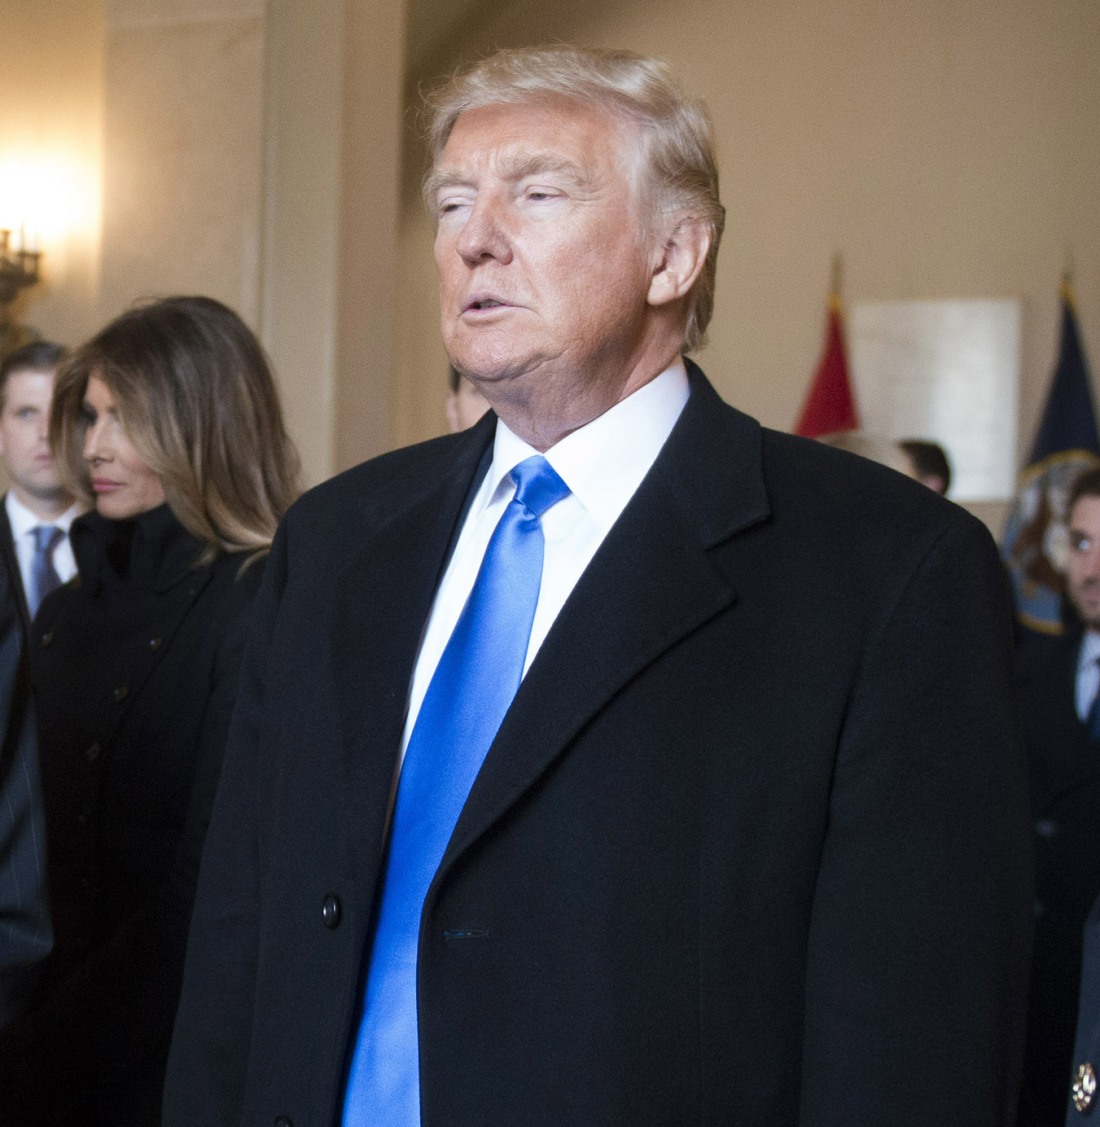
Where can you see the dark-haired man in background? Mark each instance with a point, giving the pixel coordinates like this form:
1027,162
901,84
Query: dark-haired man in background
927,463
37,511
1060,705
32,563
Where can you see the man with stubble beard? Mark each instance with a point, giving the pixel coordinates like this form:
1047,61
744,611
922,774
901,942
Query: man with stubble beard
1060,706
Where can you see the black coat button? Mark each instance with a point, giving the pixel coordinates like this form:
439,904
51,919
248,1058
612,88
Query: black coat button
330,911
120,693
93,752
46,638
155,643
283,1121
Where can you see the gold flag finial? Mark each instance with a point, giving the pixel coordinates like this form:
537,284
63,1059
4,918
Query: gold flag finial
838,277
1067,278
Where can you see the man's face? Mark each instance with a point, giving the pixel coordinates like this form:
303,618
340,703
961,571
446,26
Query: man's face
1083,562
544,272
24,443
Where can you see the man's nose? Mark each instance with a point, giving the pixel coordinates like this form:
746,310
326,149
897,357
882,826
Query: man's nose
1091,563
483,235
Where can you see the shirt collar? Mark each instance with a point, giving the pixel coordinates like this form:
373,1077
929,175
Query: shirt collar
604,461
1090,650
22,520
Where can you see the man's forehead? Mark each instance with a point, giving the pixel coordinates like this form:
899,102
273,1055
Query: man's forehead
559,135
28,381
1085,515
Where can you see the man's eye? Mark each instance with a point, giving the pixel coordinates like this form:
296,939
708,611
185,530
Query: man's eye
1080,543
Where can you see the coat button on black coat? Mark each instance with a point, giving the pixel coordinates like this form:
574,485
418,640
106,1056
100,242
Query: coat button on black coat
330,911
120,693
93,752
46,638
283,1121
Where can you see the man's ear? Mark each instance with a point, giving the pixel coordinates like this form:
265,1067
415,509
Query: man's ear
682,259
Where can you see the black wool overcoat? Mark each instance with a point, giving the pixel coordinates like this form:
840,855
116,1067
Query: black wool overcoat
750,847
135,667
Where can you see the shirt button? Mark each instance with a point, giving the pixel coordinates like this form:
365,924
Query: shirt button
120,693
330,911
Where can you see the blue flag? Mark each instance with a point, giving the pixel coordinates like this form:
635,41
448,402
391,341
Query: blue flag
1034,545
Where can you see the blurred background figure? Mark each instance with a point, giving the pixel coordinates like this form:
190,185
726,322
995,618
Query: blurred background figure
1060,710
25,934
465,404
168,421
37,511
927,463
874,446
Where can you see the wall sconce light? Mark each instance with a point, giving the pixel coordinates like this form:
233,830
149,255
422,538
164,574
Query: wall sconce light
18,270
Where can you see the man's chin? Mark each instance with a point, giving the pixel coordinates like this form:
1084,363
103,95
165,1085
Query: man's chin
47,492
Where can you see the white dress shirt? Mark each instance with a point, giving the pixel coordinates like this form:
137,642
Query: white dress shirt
603,463
23,522
1088,673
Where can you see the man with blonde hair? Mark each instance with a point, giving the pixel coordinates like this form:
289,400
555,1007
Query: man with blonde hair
616,761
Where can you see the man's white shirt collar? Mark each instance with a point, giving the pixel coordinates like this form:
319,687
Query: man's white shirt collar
604,461
22,520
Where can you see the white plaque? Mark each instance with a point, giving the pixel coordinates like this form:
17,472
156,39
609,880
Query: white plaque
947,371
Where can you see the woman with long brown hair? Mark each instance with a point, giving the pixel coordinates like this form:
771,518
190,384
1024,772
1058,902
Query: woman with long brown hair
168,423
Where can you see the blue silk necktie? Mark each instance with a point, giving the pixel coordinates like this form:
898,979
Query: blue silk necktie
469,693
44,577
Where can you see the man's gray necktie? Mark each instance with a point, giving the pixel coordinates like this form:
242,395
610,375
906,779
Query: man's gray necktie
44,577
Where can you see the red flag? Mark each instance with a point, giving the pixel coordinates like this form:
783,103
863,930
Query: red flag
830,404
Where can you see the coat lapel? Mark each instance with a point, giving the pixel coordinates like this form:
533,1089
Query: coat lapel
650,584
380,603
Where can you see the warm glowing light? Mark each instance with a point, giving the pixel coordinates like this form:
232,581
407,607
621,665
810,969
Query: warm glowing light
45,199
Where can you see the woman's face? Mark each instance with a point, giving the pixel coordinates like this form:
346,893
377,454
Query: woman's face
123,484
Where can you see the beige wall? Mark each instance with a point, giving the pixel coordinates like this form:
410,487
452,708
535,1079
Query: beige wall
948,150
182,152
51,141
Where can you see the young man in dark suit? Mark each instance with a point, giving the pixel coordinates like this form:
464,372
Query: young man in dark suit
37,511
707,801
1060,703
26,935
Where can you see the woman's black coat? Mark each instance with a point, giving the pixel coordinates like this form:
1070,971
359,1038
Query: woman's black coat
135,667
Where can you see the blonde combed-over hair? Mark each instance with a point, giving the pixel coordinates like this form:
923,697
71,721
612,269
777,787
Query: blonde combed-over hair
196,397
674,137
